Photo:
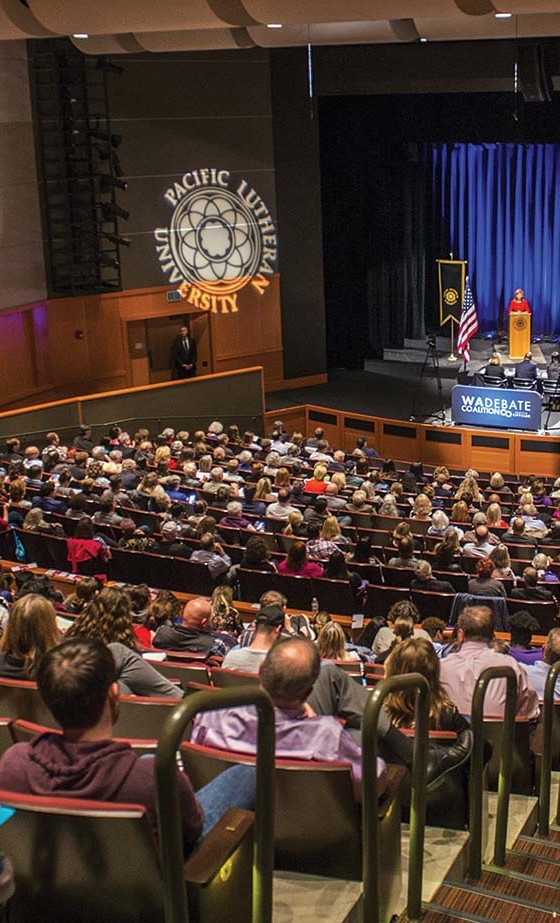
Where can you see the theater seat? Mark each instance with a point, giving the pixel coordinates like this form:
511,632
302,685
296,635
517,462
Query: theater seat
20,699
26,731
142,716
224,679
523,769
97,862
317,824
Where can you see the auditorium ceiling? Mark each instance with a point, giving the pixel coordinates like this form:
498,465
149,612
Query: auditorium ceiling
133,26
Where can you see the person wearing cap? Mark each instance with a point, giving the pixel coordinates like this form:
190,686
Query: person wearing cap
169,542
268,626
194,632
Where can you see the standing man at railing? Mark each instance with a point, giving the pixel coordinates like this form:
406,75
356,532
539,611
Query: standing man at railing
184,354
460,671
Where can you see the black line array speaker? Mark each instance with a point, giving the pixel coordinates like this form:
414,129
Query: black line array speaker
535,82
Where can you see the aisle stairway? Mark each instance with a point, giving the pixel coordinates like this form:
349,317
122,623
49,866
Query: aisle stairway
526,888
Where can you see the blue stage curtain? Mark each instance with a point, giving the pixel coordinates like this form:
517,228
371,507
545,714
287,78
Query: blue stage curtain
501,206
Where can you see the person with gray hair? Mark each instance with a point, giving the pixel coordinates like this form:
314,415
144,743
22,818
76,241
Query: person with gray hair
234,518
424,580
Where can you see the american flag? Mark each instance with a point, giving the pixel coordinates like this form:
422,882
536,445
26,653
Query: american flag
468,324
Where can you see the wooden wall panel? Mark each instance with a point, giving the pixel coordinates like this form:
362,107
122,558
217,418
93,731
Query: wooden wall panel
17,367
293,418
487,450
443,445
329,420
398,440
537,455
356,425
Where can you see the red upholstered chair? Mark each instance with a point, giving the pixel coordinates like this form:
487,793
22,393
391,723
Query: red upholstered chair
224,679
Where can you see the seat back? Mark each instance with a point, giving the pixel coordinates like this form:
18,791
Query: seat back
379,599
128,566
524,384
185,672
523,769
492,382
223,679
458,581
26,731
398,576
430,604
21,699
81,860
253,583
142,716
192,577
335,596
45,550
297,590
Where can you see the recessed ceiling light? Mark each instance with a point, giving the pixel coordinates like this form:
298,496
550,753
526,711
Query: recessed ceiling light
80,35
274,25
503,15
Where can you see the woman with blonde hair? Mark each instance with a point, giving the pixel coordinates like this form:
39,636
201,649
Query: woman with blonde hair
502,563
330,531
225,616
35,522
469,487
460,512
263,490
31,632
317,484
331,643
295,525
494,516
417,655
339,478
388,506
422,508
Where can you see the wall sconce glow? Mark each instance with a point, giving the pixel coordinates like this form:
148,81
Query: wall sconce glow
423,39
80,35
274,25
503,15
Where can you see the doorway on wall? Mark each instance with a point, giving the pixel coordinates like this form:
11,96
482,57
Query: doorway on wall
160,333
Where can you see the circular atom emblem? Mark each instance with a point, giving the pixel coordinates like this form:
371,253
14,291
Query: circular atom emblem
219,240
451,296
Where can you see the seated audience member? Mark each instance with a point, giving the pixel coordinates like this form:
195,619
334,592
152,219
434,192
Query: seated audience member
297,565
538,670
212,554
85,549
494,368
405,557
318,512
134,538
417,655
502,563
296,526
403,628
532,590
484,584
482,545
440,525
225,617
31,630
234,518
195,632
45,500
317,484
84,592
249,504
35,522
541,563
435,628
522,627
331,644
337,569
164,609
494,518
446,553
281,509
169,542
76,680
460,670
288,673
256,555
140,598
424,580
362,553
388,506
107,510
108,618
404,610
269,623
516,534
422,509
318,548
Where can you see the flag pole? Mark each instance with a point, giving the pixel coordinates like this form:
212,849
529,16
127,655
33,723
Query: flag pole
452,357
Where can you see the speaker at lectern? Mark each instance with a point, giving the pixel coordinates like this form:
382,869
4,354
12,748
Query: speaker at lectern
519,334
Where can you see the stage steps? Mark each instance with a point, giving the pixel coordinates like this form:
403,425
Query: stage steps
527,888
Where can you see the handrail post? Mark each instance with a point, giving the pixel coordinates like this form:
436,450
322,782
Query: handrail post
169,815
546,757
477,767
370,832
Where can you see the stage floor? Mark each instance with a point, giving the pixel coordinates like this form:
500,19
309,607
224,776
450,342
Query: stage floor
391,387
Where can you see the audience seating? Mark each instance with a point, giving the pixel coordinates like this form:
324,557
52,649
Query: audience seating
25,731
523,770
93,861
379,599
432,604
20,699
142,716
545,612
224,679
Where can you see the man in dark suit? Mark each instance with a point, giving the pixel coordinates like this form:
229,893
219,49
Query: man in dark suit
184,354
527,368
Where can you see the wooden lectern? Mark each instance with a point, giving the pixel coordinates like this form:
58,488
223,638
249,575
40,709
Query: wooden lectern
519,334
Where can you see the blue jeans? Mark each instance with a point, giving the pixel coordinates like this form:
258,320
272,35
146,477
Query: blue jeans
234,788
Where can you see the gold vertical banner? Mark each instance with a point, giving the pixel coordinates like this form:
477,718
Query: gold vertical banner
451,278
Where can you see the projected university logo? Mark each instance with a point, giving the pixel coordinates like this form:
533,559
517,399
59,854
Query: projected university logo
219,240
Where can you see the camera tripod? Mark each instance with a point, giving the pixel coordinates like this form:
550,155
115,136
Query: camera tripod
430,367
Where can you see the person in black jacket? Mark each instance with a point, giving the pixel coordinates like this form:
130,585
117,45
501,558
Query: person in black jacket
531,590
424,580
184,354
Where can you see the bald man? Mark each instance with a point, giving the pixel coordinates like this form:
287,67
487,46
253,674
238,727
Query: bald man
194,632
288,674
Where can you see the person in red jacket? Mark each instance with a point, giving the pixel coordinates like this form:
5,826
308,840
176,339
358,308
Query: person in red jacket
519,302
